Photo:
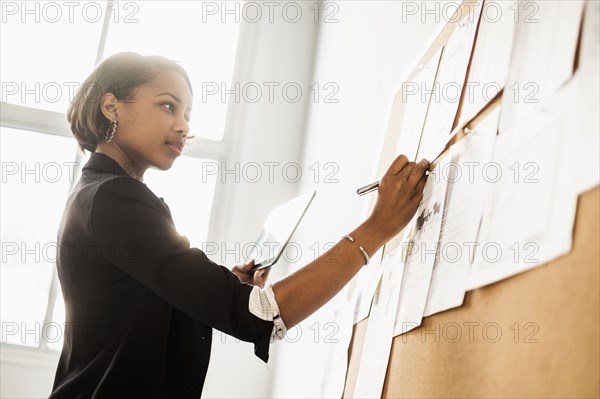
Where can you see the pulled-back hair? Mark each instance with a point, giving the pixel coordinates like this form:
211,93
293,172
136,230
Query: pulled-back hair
120,74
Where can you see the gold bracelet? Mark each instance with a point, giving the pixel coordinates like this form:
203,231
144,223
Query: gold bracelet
365,254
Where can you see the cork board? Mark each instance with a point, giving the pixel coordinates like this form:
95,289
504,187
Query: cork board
556,355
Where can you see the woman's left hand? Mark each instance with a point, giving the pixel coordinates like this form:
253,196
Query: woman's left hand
259,277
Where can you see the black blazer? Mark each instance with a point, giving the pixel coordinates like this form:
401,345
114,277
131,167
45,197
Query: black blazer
140,303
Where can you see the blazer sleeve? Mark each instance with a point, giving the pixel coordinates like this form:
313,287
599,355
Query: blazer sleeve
141,240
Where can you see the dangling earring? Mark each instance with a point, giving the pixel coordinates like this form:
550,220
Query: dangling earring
112,128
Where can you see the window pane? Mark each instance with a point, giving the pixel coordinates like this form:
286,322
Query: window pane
206,49
188,194
54,332
82,159
47,50
36,178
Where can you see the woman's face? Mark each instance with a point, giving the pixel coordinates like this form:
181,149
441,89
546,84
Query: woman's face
153,125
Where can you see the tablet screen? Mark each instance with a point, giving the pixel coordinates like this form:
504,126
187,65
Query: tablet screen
278,230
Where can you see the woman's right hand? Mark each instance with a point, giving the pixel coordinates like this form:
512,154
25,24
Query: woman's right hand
399,194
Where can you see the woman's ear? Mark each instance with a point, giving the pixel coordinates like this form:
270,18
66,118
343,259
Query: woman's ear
109,106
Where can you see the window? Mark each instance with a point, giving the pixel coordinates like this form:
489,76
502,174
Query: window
47,50
37,63
188,193
35,178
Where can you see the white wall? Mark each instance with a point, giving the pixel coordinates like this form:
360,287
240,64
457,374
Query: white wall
267,132
365,54
26,373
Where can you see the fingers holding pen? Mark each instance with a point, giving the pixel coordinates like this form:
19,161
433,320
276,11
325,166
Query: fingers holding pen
407,176
417,179
398,165
400,193
418,172
412,172
421,185
389,178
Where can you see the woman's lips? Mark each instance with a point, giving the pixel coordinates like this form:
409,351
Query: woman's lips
176,147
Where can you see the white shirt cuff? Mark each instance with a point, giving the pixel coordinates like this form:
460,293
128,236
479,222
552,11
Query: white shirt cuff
262,304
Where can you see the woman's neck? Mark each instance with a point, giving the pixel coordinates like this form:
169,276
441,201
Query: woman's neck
126,162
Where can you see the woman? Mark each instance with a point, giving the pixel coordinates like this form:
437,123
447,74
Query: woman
140,302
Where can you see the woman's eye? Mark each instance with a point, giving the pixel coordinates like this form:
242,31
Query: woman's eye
169,105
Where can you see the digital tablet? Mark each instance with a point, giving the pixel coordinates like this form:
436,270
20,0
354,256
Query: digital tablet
278,229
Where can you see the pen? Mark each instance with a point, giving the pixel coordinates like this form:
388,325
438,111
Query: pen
374,186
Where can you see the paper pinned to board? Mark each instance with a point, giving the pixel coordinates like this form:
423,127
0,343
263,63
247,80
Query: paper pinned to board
554,148
491,58
530,218
420,250
417,95
364,288
448,86
536,70
335,380
379,335
589,51
466,196
581,150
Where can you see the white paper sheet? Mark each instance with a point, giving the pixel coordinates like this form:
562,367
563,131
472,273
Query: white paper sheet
467,193
379,335
420,251
581,150
417,94
530,219
589,54
543,56
365,285
335,380
448,86
491,57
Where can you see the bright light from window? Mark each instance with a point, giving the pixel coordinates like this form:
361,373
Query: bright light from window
55,332
188,194
35,185
48,49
